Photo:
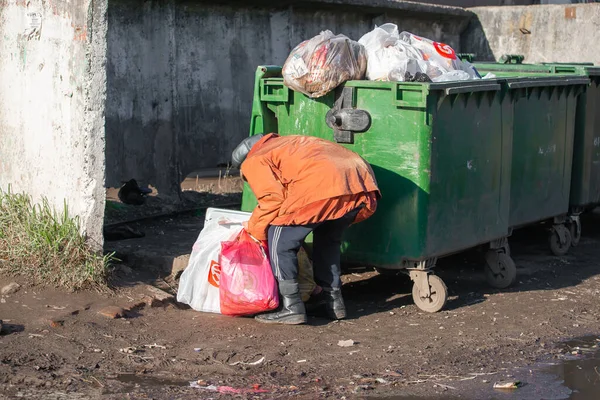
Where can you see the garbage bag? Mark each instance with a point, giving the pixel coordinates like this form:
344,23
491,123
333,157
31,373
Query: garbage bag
247,285
200,281
394,56
317,66
388,58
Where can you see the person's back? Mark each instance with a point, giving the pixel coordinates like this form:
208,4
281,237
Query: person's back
311,172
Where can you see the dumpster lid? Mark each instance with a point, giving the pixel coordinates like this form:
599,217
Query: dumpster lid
592,71
580,68
455,87
529,68
537,81
451,87
543,68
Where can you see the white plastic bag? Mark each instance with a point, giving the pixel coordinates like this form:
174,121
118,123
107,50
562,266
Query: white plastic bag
393,56
442,57
452,76
387,57
199,282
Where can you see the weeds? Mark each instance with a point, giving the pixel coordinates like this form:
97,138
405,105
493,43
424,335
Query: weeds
46,247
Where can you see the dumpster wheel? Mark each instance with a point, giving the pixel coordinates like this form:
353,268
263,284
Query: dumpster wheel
436,300
500,271
560,240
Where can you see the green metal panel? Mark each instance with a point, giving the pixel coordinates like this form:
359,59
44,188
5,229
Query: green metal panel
585,179
585,182
585,189
545,100
441,154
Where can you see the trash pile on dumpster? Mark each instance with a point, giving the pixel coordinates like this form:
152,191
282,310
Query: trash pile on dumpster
395,56
317,66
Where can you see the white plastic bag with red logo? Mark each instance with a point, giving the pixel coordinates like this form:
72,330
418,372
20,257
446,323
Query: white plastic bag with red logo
405,57
248,286
441,57
200,281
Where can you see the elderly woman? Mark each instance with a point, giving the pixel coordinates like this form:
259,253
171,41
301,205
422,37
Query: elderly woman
305,184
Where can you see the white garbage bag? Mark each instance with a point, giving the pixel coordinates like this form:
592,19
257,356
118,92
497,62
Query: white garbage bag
199,282
387,55
394,56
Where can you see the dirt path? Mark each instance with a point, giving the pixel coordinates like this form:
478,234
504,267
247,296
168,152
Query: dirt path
482,336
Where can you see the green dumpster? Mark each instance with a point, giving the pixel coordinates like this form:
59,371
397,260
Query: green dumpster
441,153
585,181
545,101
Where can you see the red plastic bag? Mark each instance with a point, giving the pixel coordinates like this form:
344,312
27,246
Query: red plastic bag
247,285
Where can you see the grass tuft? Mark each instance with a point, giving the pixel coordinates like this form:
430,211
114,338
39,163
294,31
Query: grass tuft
47,247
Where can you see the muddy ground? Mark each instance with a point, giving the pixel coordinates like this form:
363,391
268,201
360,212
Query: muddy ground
57,345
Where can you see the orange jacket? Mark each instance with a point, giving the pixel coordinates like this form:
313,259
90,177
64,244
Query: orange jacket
300,180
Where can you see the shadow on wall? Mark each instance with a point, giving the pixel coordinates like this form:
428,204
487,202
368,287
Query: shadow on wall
180,74
473,40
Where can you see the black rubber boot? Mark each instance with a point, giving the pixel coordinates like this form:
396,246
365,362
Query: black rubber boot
329,301
291,311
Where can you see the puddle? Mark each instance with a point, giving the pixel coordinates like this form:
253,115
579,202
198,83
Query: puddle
575,376
145,380
581,372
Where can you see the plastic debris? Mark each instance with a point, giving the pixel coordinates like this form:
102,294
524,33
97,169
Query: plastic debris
227,389
128,350
346,343
259,361
155,346
507,385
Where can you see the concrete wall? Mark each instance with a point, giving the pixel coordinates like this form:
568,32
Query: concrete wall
545,33
181,74
52,96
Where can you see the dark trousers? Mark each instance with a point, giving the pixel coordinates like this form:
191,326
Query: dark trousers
285,241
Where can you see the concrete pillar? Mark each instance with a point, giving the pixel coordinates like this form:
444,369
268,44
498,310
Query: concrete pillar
52,99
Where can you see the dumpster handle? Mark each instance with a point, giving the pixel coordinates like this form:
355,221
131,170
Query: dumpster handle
511,59
401,88
472,88
561,69
273,89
